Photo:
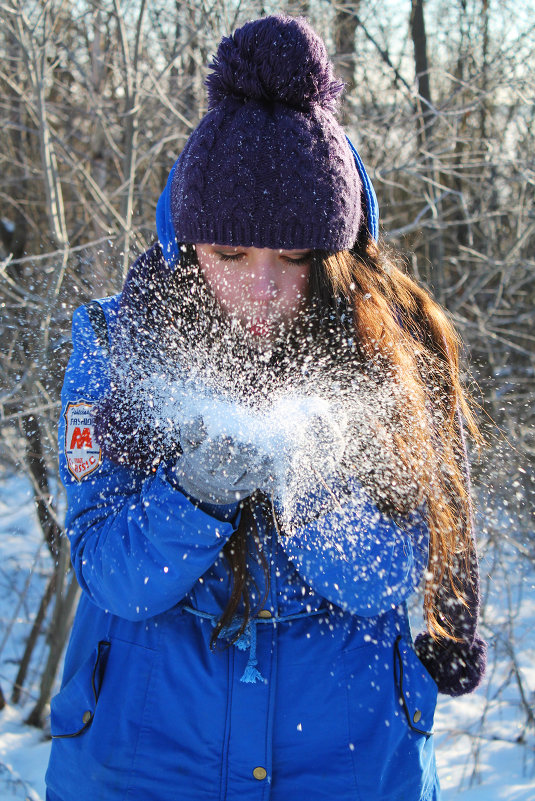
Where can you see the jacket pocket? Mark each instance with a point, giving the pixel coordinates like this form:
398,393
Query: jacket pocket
391,703
417,689
101,710
72,710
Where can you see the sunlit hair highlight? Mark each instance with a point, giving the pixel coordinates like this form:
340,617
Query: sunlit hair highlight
400,329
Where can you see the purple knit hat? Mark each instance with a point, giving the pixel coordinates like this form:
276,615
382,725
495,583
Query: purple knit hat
269,165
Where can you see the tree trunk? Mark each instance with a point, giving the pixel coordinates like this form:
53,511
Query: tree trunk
32,639
419,39
484,68
59,631
131,125
425,120
38,471
344,27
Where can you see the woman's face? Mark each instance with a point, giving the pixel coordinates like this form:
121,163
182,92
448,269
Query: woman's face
262,288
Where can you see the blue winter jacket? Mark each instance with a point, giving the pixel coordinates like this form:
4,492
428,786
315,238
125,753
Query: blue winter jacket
342,708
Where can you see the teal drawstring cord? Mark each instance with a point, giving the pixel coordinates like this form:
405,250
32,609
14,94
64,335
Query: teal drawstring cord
247,640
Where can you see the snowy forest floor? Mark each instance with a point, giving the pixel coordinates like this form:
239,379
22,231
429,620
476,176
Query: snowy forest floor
485,742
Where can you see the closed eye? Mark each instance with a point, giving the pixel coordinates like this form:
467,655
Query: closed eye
297,259
230,256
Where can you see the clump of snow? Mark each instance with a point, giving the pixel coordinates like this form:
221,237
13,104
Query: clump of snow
298,435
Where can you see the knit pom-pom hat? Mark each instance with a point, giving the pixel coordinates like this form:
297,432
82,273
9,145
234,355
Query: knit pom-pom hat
269,165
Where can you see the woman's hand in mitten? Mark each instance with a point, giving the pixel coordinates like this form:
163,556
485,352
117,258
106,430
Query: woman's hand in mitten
219,470
313,454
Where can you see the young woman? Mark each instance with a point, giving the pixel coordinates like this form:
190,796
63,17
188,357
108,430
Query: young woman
262,448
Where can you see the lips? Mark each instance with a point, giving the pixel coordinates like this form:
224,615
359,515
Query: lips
260,328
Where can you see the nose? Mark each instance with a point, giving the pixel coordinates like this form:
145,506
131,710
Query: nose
264,276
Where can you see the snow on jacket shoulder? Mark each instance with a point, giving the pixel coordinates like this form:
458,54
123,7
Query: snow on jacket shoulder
341,708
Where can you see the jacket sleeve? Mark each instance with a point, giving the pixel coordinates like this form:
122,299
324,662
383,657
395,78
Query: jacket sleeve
359,558
138,544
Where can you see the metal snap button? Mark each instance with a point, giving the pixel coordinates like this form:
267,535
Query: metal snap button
260,773
265,613
416,717
86,717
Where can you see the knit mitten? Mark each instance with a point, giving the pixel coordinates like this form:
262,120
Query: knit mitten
457,667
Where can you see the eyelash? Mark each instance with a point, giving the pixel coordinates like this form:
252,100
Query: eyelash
229,256
237,256
301,260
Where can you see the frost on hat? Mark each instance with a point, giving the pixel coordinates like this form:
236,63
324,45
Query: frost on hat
269,165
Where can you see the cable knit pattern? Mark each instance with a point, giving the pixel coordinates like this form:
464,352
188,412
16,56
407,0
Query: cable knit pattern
269,165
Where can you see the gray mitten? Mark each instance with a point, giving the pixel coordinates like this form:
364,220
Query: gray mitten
219,470
313,484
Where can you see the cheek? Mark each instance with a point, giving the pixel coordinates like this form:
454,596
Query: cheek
223,284
296,288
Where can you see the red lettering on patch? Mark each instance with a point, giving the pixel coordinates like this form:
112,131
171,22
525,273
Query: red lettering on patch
81,439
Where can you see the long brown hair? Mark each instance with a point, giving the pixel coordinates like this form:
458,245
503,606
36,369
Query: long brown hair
400,330
397,321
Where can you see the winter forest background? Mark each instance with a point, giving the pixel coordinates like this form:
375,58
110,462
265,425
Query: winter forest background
97,98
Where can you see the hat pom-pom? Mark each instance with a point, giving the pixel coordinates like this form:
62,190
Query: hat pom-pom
457,667
275,59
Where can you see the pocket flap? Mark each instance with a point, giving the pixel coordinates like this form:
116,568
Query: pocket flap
418,691
72,709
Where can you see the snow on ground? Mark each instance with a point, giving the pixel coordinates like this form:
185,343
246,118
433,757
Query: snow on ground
24,566
485,742
23,758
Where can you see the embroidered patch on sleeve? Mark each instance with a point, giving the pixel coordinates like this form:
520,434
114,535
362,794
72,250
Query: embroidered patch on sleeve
82,452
